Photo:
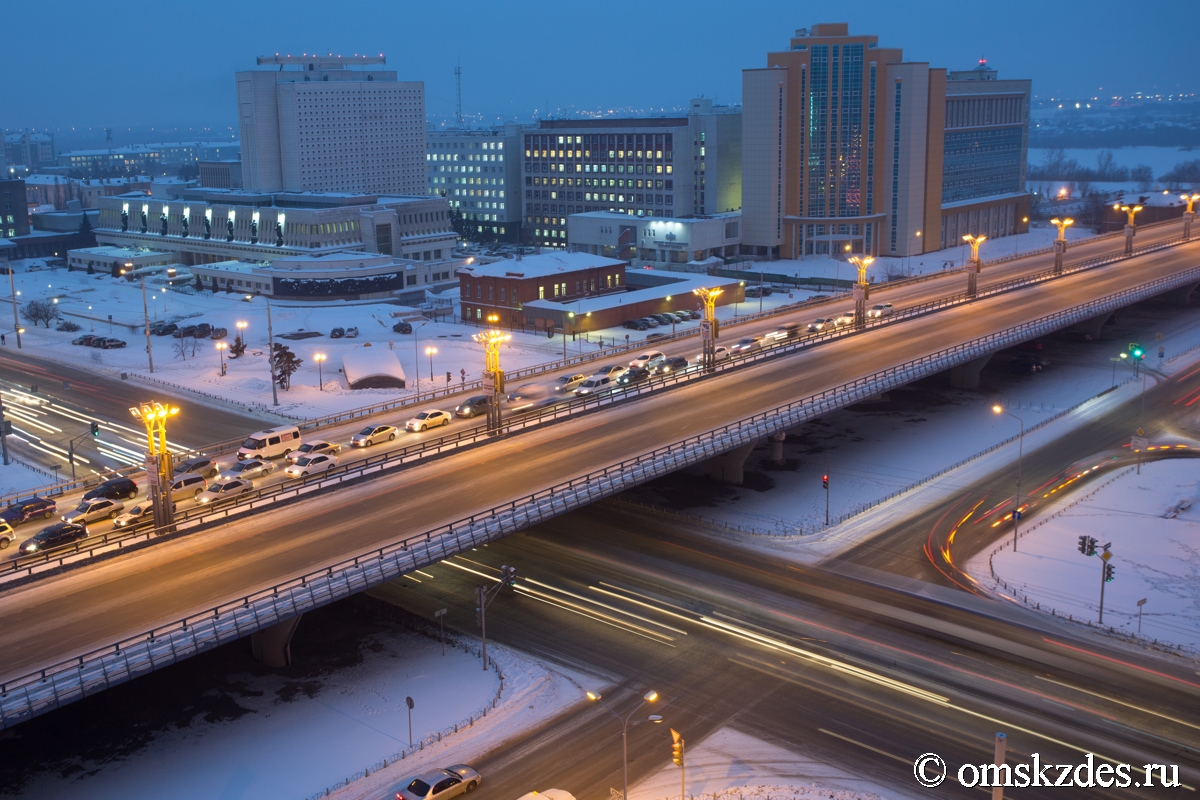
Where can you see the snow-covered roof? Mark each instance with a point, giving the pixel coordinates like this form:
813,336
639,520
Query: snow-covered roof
373,368
682,284
538,266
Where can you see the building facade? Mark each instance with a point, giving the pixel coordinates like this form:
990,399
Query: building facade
143,159
653,167
479,174
209,225
847,148
220,174
29,150
503,287
14,209
328,124
685,244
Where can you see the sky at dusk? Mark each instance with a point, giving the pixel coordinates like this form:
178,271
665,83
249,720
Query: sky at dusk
85,63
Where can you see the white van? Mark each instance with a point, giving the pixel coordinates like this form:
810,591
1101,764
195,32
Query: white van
271,443
594,385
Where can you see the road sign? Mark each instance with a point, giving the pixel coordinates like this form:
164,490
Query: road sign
1158,336
1106,555
1141,602
619,795
1161,351
1139,443
440,613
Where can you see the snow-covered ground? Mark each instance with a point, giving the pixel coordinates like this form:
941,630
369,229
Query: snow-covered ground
19,477
297,740
730,764
1152,521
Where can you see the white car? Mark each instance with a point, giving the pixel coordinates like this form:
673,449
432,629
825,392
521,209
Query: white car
7,536
747,345
822,324
92,510
310,465
720,352
312,448
567,383
845,318
612,372
142,511
372,434
880,310
426,420
251,468
647,360
223,490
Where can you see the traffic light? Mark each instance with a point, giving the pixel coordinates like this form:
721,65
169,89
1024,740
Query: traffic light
508,575
1091,546
1083,545
1136,350
825,481
1109,569
95,429
676,748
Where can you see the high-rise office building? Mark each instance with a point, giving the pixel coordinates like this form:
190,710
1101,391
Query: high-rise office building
654,167
846,145
328,124
479,174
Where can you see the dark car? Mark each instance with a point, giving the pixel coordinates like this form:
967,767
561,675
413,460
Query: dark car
166,330
112,344
54,536
114,489
200,465
185,332
654,337
671,365
337,333
402,327
664,319
633,375
472,406
218,333
85,340
694,314
26,508
157,326
634,325
1031,358
98,341
650,322
682,316
202,330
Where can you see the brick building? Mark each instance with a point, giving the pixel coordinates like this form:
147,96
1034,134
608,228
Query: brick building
503,287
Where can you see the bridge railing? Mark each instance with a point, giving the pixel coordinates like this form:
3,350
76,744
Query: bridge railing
22,697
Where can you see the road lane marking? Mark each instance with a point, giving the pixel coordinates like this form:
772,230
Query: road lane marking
865,746
1118,702
531,596
605,605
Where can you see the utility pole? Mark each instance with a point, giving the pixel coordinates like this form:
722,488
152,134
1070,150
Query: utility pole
825,485
271,355
3,431
146,318
12,287
484,596
1106,575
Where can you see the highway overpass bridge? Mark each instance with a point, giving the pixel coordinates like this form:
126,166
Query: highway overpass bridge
78,631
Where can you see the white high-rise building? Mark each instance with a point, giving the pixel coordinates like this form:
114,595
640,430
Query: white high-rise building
328,124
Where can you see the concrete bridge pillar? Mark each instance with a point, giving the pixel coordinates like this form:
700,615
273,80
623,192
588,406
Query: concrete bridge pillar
273,646
966,376
727,467
1092,326
776,440
1180,296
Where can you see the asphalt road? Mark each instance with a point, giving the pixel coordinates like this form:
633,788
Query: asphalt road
59,617
848,673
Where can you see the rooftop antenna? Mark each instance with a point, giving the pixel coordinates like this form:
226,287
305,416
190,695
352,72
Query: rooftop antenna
458,91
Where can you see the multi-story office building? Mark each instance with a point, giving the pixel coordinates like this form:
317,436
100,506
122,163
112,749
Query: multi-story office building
845,149
14,209
328,124
689,244
139,159
28,149
203,226
654,167
479,173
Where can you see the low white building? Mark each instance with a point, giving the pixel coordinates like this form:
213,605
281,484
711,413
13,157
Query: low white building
104,257
688,244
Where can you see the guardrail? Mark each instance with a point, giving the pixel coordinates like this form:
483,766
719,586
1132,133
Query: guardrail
223,448
22,697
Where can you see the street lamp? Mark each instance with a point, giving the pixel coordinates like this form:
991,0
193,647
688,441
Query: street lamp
12,287
1017,238
648,697
491,340
1189,214
221,348
430,351
708,327
320,358
1060,244
154,417
862,289
908,255
1130,228
1020,451
973,266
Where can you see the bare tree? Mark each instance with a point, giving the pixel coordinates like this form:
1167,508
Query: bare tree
43,311
184,347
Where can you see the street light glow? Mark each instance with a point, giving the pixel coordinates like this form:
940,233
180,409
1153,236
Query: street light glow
593,695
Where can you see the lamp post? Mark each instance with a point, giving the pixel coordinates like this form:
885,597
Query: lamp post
12,288
709,329
1188,215
221,348
1130,227
648,697
862,289
320,358
146,317
158,460
491,340
1060,244
1020,452
270,351
241,330
417,354
1017,238
908,255
738,303
430,351
973,266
